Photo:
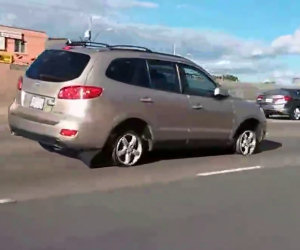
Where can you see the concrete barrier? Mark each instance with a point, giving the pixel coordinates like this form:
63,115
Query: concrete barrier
8,83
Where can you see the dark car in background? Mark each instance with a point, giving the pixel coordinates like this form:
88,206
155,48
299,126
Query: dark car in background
282,102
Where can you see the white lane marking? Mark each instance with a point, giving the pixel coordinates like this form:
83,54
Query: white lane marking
7,201
228,171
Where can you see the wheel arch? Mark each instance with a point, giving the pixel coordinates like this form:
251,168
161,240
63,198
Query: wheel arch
138,125
250,123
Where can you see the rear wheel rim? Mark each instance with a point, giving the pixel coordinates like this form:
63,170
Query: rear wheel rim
129,149
297,113
247,143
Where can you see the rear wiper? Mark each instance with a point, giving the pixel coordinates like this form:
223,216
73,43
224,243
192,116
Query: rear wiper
46,77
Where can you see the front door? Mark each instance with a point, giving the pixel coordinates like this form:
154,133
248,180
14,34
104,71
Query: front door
210,118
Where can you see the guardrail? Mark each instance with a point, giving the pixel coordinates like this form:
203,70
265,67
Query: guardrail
6,58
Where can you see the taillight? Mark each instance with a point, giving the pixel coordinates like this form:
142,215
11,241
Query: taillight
67,47
288,98
79,92
281,99
260,98
68,132
20,83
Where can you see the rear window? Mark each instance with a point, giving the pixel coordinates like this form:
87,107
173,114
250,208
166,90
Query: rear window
58,66
276,92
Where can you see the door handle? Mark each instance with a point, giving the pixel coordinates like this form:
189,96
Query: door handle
146,100
197,106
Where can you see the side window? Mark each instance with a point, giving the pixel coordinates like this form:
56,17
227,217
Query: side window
195,82
164,76
129,70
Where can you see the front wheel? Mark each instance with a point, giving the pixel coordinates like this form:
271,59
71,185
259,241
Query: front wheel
128,149
246,143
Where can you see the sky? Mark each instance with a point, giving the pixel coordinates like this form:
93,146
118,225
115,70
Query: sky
256,40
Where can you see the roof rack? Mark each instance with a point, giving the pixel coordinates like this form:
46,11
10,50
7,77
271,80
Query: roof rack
116,47
97,45
166,54
86,44
129,47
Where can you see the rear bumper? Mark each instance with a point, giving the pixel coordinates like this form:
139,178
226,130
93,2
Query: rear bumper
276,110
48,131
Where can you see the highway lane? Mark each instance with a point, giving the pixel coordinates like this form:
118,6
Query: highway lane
168,203
29,172
257,209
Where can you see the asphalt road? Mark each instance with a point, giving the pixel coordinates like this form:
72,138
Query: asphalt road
62,204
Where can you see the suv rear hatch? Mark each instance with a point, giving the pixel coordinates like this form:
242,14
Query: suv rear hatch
49,73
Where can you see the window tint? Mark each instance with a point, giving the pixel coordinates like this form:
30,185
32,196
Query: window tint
293,92
129,70
58,66
277,92
164,76
195,82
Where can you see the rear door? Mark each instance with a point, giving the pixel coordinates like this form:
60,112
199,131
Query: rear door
51,71
210,118
169,105
133,91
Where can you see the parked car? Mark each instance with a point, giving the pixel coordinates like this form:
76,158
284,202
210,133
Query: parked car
282,102
126,101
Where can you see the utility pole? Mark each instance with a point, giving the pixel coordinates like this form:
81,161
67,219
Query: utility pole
174,49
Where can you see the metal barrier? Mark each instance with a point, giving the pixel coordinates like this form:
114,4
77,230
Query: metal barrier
6,58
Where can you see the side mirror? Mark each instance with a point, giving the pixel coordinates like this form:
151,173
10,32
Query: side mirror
221,92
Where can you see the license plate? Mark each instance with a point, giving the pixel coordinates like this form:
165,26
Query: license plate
268,100
37,102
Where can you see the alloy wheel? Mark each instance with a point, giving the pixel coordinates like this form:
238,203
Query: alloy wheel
247,143
129,149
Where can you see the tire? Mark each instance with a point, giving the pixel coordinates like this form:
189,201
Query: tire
246,142
295,113
128,149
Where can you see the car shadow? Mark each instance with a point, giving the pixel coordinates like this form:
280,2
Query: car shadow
268,145
96,160
100,161
286,118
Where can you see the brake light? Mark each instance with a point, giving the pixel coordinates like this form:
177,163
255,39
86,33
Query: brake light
68,132
288,98
79,92
260,97
67,47
20,83
282,99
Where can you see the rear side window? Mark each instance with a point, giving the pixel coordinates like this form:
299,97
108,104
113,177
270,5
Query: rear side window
132,71
58,66
293,92
164,76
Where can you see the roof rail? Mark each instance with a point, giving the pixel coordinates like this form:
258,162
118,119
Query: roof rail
95,44
166,54
86,44
129,47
